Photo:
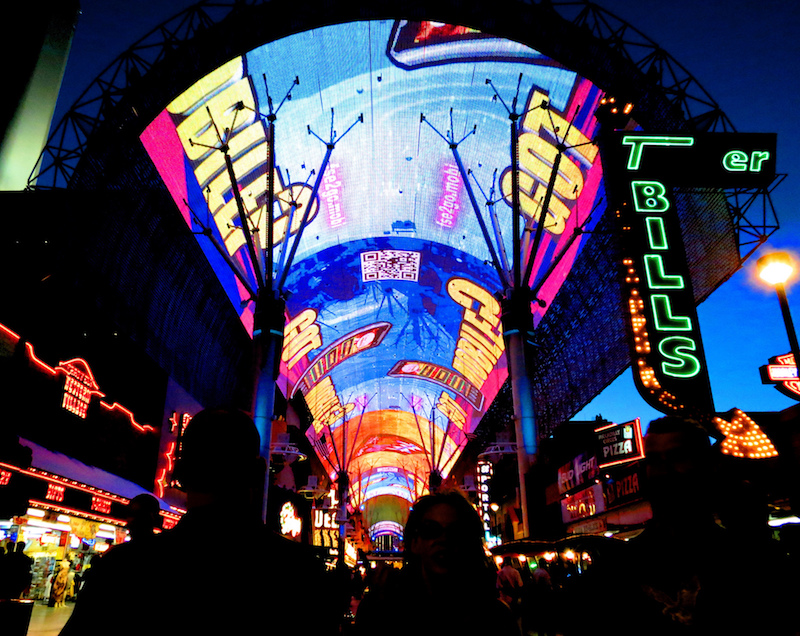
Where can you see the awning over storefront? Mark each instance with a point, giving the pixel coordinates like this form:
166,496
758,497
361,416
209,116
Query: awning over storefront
61,465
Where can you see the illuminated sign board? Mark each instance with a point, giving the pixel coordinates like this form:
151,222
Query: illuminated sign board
782,372
619,443
625,487
484,476
290,522
665,343
578,472
720,160
79,386
584,503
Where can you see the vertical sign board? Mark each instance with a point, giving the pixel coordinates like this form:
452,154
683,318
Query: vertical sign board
666,349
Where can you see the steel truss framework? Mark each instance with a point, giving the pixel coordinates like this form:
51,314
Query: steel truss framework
574,364
751,210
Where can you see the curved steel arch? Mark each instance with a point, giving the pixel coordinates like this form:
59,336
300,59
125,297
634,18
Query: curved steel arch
693,108
68,139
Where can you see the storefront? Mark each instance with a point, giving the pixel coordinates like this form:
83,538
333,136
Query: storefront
74,512
600,491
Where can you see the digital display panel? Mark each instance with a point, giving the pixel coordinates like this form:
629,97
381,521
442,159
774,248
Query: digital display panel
392,317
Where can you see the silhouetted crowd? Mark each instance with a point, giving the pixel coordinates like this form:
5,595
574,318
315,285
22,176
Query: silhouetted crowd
684,574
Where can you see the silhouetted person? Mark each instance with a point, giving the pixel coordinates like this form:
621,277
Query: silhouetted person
4,578
683,574
143,516
16,571
541,598
171,586
446,586
509,587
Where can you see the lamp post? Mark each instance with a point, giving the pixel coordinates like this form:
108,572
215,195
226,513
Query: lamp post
775,269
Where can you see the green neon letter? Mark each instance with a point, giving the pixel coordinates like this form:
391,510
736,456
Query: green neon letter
637,144
649,196
656,277
681,363
757,158
663,318
735,161
656,233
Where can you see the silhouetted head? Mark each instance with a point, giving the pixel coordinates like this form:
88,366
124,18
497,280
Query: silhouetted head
678,459
219,456
143,515
444,536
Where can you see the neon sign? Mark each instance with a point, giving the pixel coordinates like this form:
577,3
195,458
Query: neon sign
620,443
782,372
485,472
101,504
291,523
719,160
79,386
584,503
55,492
665,342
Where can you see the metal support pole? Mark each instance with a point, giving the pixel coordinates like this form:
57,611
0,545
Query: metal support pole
343,484
515,204
518,332
251,247
269,273
268,326
780,288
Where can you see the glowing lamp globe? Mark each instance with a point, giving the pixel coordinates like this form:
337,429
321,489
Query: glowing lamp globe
775,268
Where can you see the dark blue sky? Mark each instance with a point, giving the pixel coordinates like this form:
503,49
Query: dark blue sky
743,52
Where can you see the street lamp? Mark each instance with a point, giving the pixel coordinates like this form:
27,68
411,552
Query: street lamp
775,269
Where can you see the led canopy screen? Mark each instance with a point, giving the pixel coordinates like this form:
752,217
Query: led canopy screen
401,132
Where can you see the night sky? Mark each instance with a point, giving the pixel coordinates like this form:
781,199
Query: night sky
743,52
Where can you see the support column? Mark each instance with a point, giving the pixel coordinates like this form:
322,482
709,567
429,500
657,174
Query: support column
268,326
518,334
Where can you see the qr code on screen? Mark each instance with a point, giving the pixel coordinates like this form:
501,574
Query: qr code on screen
390,265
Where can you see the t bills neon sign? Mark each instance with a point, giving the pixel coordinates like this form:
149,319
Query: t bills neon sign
666,348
